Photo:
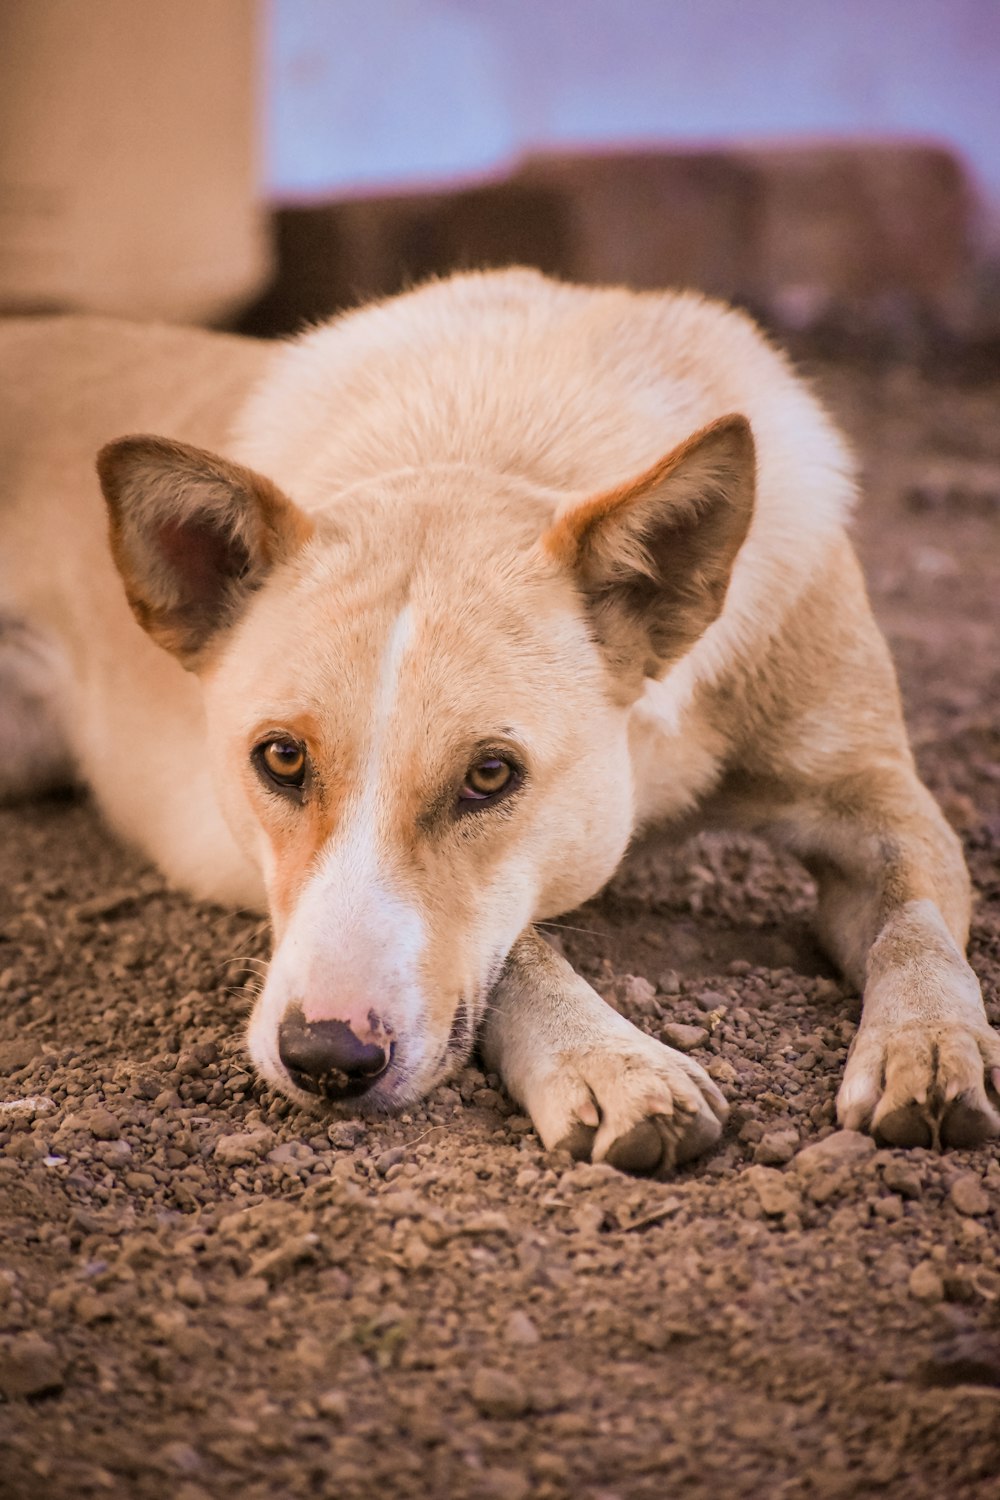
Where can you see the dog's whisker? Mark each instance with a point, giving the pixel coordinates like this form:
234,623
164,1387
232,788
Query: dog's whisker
567,927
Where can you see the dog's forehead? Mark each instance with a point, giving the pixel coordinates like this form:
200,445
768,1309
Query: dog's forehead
455,615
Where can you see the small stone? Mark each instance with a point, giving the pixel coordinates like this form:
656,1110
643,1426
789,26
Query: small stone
925,1283
775,1195
506,1484
333,1404
103,1125
116,1153
901,1178
18,1053
669,982
637,994
721,1070
26,1108
684,1038
290,1153
499,1394
416,1253
711,1000
29,1366
389,1159
822,1186
190,1291
249,1291
519,1329
776,1148
843,1147
277,1263
968,1195
588,1219
140,1182
242,1147
179,1456
344,1134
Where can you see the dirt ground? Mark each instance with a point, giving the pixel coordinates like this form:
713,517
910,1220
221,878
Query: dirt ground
205,1293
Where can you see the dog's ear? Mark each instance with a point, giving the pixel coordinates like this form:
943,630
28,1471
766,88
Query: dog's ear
192,535
653,557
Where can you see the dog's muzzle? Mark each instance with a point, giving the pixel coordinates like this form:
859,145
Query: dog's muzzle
328,1059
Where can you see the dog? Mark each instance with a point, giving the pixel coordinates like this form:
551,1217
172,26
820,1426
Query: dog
402,630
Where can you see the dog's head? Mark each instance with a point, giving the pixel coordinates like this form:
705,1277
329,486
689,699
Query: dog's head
418,716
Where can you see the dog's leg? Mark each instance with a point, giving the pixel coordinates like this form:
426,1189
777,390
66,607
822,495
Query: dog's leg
894,904
826,771
591,1081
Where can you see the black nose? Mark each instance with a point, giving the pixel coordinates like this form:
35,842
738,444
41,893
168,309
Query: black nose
326,1058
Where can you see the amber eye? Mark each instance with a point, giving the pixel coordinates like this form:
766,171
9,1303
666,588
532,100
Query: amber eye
487,778
282,761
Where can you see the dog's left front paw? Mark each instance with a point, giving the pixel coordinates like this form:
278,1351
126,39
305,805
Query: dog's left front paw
923,1085
634,1103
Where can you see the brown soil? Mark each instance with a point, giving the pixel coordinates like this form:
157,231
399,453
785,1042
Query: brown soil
208,1294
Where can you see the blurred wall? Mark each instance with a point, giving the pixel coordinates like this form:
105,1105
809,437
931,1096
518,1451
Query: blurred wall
389,94
128,157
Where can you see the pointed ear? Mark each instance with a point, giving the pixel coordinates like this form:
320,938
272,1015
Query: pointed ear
653,558
192,536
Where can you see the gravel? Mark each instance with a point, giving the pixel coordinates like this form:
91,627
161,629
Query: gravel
205,1293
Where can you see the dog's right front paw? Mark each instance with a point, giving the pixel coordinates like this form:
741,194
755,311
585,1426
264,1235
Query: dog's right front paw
636,1104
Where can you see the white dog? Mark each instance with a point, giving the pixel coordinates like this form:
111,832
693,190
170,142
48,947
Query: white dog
456,594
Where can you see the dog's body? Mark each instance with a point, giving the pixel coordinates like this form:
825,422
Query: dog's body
436,690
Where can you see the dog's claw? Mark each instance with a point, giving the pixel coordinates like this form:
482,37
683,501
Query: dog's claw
578,1142
639,1151
920,1086
657,1107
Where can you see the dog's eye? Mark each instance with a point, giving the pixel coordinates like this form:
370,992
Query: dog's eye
487,779
282,761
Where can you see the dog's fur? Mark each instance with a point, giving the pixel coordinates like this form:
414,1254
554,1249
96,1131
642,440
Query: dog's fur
451,561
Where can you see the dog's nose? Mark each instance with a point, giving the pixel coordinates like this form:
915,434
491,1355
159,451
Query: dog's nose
327,1058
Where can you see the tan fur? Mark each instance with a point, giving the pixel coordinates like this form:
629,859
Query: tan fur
442,552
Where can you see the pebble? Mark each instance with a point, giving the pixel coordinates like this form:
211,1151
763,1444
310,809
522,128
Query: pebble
102,1124
926,1284
29,1366
390,1158
519,1328
776,1148
18,1052
636,994
968,1195
499,1394
506,1484
242,1147
684,1038
333,1404
842,1148
190,1291
903,1179
712,1000
775,1194
33,1104
290,1153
